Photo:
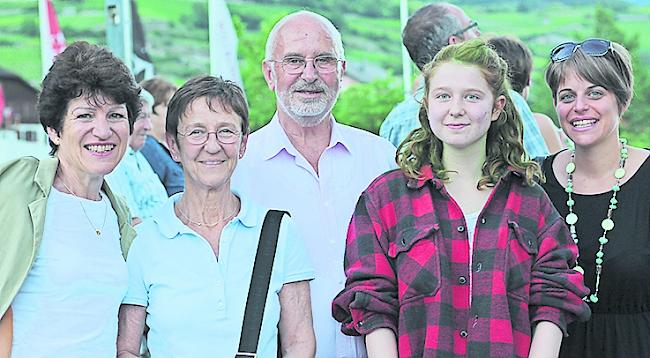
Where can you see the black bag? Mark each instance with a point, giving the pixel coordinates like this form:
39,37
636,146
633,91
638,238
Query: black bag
259,286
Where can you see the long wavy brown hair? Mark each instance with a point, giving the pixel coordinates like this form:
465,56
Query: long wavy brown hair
504,148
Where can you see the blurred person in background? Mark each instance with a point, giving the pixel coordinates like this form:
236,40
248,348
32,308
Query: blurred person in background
190,268
133,178
307,163
520,68
155,147
602,187
63,273
428,30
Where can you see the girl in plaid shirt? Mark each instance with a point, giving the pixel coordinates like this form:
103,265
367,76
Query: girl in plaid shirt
460,253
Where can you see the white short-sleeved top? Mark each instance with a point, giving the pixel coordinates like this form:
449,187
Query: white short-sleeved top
67,306
195,303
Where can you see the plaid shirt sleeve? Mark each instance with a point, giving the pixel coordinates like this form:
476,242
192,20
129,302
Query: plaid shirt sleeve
369,300
556,290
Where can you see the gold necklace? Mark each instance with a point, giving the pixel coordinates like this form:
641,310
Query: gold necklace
98,231
200,223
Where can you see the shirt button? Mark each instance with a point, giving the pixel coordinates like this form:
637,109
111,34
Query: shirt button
463,333
483,221
360,324
479,267
460,228
462,280
403,242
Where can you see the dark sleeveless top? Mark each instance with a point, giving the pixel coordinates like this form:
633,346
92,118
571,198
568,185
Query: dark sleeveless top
620,323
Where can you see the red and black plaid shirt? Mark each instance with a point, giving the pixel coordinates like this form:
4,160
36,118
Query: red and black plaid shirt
407,266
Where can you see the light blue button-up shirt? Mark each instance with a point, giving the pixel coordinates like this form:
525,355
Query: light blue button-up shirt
195,302
138,184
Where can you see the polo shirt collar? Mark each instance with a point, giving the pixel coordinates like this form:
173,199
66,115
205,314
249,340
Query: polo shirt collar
170,226
277,139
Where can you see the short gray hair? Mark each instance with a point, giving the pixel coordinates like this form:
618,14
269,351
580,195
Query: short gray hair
333,31
427,32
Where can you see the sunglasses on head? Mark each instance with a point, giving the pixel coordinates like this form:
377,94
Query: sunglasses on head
590,47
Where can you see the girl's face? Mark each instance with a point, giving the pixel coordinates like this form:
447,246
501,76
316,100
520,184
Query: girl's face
588,112
461,106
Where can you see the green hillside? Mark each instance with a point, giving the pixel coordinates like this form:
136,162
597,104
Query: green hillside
177,39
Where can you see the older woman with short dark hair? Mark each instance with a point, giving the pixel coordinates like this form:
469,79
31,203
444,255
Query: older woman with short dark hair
63,273
191,266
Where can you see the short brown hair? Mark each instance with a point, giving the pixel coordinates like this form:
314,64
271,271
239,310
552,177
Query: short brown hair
89,70
216,91
612,71
518,57
161,90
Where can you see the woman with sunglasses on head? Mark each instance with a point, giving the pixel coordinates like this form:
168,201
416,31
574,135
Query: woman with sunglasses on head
602,188
65,235
459,253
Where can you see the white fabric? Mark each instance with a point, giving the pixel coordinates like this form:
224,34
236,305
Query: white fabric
68,304
471,220
276,175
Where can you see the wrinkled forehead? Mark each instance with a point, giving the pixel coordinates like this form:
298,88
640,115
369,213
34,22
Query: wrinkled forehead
92,99
304,36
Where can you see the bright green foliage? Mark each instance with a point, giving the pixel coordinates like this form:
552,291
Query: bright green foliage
365,105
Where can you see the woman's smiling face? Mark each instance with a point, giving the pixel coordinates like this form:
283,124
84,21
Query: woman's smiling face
94,135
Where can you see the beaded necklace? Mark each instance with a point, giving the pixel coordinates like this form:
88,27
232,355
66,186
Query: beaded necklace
607,224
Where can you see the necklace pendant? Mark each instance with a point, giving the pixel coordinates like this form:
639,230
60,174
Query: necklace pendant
571,219
98,232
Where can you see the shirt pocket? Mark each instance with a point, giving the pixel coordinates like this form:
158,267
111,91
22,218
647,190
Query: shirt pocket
416,259
520,255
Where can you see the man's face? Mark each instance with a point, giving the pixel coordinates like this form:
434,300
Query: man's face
307,97
464,21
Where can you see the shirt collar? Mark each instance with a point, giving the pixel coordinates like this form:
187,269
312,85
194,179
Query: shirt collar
171,226
277,139
426,174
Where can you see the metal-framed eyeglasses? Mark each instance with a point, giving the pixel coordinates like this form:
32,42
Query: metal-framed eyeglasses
198,136
295,65
471,25
590,47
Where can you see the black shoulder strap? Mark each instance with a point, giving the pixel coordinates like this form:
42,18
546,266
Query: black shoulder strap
259,287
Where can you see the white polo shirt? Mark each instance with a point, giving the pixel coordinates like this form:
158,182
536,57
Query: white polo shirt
195,303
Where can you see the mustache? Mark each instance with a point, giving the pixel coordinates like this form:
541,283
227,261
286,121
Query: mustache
303,85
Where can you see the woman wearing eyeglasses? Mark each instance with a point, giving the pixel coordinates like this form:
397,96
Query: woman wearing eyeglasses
602,188
190,267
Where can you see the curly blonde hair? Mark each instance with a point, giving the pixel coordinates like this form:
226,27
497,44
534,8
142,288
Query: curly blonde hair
504,148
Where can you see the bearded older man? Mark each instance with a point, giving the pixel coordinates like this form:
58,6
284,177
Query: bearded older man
307,163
